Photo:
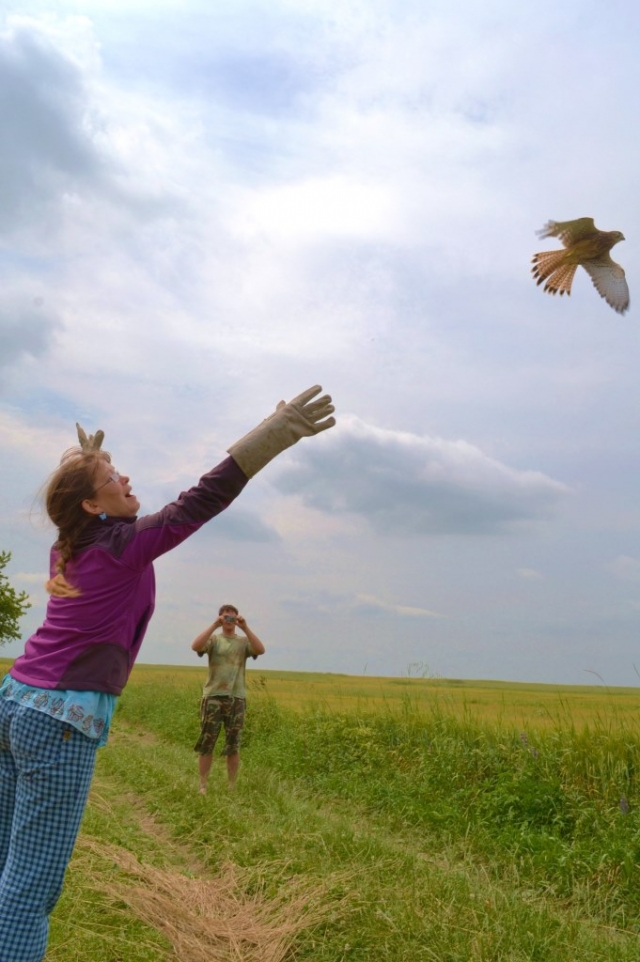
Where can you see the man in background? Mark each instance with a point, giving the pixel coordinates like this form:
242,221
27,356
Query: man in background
224,694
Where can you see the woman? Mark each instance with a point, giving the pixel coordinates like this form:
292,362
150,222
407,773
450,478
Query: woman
58,699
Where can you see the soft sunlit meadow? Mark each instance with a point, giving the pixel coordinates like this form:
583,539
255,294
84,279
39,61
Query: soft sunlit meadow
491,702
406,819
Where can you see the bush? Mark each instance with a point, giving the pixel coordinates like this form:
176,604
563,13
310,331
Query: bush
12,604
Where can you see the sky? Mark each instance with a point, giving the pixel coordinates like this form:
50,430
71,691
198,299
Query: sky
207,207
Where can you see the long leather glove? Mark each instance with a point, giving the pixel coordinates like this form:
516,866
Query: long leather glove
301,418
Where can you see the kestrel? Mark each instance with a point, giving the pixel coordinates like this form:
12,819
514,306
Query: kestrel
587,246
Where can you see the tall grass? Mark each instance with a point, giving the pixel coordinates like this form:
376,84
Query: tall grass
422,829
555,810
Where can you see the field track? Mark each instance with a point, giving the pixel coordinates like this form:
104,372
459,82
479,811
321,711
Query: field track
330,851
372,884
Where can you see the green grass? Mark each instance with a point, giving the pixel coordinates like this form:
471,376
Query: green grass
551,803
410,894
492,702
428,833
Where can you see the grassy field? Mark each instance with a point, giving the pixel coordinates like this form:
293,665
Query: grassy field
403,819
496,702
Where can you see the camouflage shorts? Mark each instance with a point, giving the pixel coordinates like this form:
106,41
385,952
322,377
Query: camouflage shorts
214,713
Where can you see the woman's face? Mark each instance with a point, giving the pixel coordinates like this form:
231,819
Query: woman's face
112,494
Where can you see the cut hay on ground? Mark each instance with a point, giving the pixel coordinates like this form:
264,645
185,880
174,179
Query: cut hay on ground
213,919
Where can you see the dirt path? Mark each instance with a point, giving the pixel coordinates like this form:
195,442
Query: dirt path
149,876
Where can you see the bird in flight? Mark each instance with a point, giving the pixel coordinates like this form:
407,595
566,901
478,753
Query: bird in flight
584,245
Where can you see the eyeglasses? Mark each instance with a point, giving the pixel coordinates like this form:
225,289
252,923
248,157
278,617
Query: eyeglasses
114,476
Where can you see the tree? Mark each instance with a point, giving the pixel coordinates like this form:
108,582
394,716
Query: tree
12,604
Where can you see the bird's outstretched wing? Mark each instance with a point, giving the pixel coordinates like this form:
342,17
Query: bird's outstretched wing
610,282
569,231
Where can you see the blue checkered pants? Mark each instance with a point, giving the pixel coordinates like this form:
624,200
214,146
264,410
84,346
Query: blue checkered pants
46,768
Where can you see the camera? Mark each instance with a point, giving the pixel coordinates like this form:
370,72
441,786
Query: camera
229,618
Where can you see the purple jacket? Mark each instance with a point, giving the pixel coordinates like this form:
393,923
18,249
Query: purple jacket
91,642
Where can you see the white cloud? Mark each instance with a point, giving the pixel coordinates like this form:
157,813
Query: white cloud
625,568
358,606
363,602
314,209
410,485
27,326
236,524
21,437
202,214
27,578
529,574
44,103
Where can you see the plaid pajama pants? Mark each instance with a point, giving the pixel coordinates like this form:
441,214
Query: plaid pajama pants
46,768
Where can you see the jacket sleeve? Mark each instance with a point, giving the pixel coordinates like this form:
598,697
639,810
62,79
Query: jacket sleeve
155,534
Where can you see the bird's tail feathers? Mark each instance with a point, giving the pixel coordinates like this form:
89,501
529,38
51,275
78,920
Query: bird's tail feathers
549,266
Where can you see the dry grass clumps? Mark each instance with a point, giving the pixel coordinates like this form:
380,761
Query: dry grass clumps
213,919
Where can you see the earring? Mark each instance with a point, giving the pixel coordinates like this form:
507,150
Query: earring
103,516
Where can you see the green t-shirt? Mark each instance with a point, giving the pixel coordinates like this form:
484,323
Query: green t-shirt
227,662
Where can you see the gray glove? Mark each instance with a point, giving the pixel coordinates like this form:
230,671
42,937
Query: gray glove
300,418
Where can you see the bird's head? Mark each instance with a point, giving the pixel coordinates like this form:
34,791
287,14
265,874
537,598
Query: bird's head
617,236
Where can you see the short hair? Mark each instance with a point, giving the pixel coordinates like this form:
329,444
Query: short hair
227,608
